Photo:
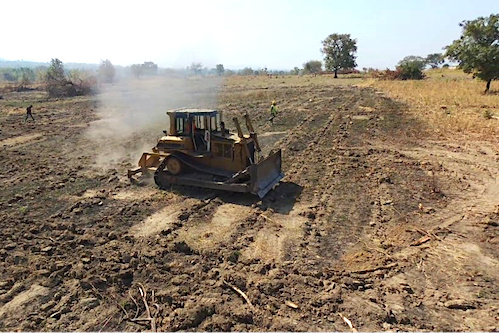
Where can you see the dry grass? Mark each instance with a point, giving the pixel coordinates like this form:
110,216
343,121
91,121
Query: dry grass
264,82
450,102
262,89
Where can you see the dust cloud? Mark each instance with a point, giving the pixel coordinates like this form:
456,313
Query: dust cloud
132,114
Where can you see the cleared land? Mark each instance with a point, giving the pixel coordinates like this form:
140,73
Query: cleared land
381,218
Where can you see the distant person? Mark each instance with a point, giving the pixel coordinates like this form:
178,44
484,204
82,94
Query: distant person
28,113
273,111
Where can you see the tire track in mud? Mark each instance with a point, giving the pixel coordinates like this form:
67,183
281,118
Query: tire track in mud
320,164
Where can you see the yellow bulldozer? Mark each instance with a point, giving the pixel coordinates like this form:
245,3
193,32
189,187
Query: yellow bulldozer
199,151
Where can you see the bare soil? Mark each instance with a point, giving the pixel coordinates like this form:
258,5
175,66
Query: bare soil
374,222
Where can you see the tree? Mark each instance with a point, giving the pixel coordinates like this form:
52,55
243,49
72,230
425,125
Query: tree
417,61
220,69
246,71
312,67
149,68
295,71
55,72
58,85
107,72
25,77
339,52
263,71
136,70
55,79
434,59
9,75
196,68
477,51
411,68
80,82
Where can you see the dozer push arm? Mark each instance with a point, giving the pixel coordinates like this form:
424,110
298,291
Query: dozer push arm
253,134
241,135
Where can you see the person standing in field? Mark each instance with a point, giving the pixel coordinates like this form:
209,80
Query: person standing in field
273,111
28,113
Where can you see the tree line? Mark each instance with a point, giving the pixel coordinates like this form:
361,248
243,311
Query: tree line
476,52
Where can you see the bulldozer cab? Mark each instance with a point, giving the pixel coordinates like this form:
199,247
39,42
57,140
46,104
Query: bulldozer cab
198,125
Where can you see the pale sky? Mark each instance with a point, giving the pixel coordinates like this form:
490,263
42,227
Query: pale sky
276,34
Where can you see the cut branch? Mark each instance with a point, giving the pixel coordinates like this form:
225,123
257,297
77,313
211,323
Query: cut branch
348,322
240,292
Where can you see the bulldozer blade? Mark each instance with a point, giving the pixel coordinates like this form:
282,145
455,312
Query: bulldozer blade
265,174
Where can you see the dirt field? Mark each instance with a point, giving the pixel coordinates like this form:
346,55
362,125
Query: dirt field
375,222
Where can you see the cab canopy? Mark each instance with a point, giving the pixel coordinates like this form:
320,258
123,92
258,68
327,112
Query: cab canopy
183,120
189,113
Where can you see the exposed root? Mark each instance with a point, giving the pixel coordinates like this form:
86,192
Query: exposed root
148,318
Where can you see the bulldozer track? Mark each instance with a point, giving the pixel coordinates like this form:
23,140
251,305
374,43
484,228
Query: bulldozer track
157,175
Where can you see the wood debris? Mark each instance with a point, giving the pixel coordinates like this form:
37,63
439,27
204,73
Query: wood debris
240,292
348,322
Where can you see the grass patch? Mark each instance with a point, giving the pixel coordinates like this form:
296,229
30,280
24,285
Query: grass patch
449,102
23,210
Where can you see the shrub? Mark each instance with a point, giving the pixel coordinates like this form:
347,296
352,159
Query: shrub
387,74
77,83
406,71
487,114
312,67
410,71
107,72
411,68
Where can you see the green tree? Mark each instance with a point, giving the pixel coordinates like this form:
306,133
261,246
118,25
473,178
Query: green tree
55,79
411,68
220,69
55,72
434,59
417,61
339,52
107,72
77,83
312,67
295,71
477,51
